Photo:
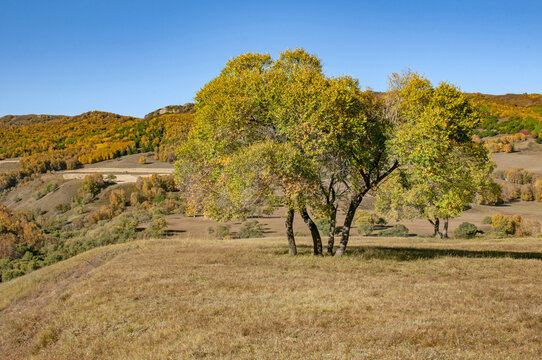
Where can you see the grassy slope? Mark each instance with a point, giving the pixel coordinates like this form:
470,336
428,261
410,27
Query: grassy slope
246,299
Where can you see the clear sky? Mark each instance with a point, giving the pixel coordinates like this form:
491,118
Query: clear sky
132,57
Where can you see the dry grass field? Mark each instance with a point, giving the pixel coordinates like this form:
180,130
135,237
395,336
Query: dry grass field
246,299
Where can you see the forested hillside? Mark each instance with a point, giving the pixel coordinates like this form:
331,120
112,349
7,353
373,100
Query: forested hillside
64,142
509,114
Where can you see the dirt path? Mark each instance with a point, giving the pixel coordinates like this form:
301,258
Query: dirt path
9,164
121,175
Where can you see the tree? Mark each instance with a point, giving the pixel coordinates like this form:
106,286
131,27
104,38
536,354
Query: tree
337,132
442,168
342,129
232,161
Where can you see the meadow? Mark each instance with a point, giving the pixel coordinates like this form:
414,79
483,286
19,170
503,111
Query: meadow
394,298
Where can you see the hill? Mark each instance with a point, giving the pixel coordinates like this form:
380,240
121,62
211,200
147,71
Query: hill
20,120
63,142
171,109
247,299
509,114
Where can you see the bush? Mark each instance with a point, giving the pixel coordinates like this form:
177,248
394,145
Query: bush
466,230
93,184
142,160
62,207
492,194
503,224
396,231
486,220
370,217
514,194
251,229
324,226
220,231
158,226
527,193
365,228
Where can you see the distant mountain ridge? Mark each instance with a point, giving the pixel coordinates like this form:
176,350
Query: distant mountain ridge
30,119
520,100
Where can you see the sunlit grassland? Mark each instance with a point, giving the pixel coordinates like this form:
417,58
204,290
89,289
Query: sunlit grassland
247,299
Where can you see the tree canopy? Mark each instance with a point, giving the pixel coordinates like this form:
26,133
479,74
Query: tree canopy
280,132
441,167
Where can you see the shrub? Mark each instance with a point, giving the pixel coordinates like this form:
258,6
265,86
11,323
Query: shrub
396,231
365,228
62,207
487,220
324,226
503,224
528,228
93,184
52,187
220,231
158,199
466,230
158,226
370,217
39,195
251,229
492,194
135,198
514,194
142,160
527,193
118,199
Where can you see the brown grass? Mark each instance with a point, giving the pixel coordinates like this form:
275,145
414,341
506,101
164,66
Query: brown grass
246,299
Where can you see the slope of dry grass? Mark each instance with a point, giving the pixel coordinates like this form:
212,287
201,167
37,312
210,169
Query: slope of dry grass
246,299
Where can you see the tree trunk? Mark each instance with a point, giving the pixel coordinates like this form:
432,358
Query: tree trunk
332,226
445,230
316,239
436,227
345,234
292,248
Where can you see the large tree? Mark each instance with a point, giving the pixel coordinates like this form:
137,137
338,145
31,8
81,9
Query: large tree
337,134
234,128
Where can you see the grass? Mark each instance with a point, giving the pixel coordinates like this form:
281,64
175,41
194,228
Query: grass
246,299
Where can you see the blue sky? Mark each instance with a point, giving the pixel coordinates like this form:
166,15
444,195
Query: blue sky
132,57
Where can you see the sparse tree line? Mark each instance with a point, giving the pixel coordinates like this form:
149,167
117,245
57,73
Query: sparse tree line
271,132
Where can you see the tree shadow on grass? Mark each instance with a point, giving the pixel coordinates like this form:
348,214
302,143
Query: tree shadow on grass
410,254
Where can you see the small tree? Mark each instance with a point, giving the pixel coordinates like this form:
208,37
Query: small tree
93,184
442,168
142,160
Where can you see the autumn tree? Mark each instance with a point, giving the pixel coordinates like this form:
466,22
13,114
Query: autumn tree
338,131
441,167
234,116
